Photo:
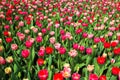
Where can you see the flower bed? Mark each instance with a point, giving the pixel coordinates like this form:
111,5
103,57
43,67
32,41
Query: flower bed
59,40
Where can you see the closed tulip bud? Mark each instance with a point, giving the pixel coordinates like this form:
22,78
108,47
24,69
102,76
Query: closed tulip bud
27,31
39,34
1,48
32,27
9,33
67,65
106,35
0,41
95,46
112,60
104,55
8,70
70,38
109,53
25,79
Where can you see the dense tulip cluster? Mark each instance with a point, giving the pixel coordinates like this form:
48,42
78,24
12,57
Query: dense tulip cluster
59,40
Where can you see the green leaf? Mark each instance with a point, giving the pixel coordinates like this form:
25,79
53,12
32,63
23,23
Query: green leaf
88,60
29,76
86,73
109,72
102,69
113,78
13,77
33,54
117,64
15,68
50,75
78,66
97,67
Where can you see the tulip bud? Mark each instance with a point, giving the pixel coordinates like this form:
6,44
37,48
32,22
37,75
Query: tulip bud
0,41
25,79
104,55
1,48
109,53
112,60
39,34
32,27
27,31
95,46
9,33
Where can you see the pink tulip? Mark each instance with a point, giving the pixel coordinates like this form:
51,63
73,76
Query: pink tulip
66,73
41,52
2,60
35,30
52,40
90,36
52,33
81,48
62,50
73,53
14,46
21,36
21,23
75,76
110,33
62,32
57,25
78,31
68,34
57,45
84,24
84,34
28,44
25,53
43,30
63,37
96,40
39,39
75,46
93,77
7,27
88,50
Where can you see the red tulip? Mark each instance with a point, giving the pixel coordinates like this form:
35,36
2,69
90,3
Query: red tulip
101,60
113,44
106,45
43,74
115,70
5,33
116,51
102,77
102,39
40,61
58,76
49,50
9,39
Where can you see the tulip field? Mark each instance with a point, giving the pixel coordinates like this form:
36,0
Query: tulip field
59,40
